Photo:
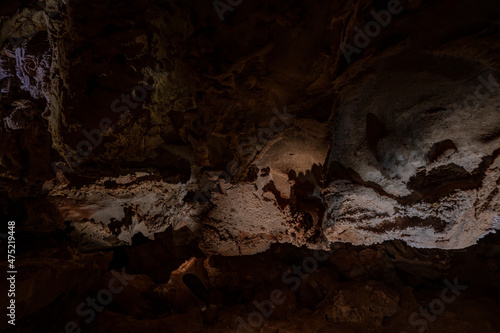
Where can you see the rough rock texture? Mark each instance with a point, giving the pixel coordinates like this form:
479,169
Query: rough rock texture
357,289
132,123
287,141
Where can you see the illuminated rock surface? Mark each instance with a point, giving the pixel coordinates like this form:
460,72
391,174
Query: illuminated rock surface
142,134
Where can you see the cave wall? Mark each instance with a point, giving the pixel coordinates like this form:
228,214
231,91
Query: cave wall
277,125
269,126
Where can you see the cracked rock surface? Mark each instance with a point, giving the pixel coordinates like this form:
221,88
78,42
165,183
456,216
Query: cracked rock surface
139,122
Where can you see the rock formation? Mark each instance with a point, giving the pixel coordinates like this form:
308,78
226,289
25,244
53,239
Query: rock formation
204,147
